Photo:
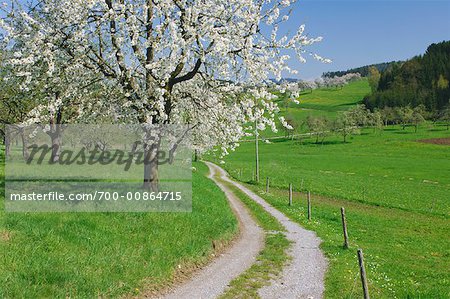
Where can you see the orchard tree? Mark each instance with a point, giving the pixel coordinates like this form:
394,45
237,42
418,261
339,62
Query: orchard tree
345,125
14,106
444,116
174,61
340,81
405,115
389,115
418,116
375,120
374,78
307,85
291,92
318,127
359,114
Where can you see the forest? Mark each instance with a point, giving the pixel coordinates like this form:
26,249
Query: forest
422,80
363,70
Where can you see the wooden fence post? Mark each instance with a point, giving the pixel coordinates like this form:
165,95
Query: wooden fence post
301,186
267,185
309,205
344,228
362,270
290,194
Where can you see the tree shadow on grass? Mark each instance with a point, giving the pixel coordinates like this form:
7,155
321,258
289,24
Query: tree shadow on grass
314,144
443,129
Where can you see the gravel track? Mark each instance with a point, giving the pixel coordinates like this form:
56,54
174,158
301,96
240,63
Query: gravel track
303,277
212,280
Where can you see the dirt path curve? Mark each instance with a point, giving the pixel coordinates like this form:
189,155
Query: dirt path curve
304,276
212,280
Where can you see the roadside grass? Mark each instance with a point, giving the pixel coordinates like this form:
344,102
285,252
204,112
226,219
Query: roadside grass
270,260
83,255
396,193
407,254
390,169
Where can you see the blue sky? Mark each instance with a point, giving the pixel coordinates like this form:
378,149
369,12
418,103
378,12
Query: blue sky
361,32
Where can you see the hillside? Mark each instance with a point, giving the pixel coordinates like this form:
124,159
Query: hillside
422,80
363,70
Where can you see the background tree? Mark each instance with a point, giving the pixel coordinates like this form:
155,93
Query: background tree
389,116
15,106
359,115
418,116
404,115
375,120
345,125
318,127
444,116
374,78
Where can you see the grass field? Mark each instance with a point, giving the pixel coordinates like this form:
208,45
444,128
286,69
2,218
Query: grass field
396,192
321,102
85,255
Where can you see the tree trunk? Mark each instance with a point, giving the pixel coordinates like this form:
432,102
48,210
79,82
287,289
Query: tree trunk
195,155
56,145
7,145
55,133
151,175
25,152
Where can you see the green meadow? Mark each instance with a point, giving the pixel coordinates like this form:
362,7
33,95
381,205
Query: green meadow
320,102
395,189
85,255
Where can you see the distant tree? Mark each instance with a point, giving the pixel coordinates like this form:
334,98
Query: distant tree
318,127
307,85
325,124
417,116
363,70
444,116
404,115
374,78
291,92
442,83
319,82
291,128
375,120
345,125
388,115
359,114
